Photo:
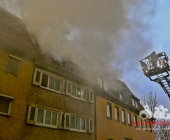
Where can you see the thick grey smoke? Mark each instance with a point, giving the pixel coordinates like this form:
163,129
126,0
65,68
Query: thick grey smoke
75,28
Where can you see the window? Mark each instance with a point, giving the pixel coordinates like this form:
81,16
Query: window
116,113
106,87
129,118
91,126
13,65
42,117
136,104
127,139
91,96
78,123
120,96
135,120
109,111
100,82
47,81
140,120
5,104
133,102
123,116
79,92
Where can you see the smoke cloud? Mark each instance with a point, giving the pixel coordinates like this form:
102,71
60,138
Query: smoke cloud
98,30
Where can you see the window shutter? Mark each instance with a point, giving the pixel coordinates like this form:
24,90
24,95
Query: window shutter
64,87
13,65
69,88
31,114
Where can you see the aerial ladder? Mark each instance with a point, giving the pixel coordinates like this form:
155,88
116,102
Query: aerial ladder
156,68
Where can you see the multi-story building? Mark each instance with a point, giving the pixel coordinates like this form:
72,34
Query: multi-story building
40,98
117,113
45,99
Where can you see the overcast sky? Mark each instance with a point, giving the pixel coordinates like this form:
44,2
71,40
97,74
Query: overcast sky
157,33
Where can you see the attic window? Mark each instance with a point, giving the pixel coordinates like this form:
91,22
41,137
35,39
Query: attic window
100,82
133,102
120,96
105,86
13,65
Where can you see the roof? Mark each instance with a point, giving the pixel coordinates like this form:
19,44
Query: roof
14,32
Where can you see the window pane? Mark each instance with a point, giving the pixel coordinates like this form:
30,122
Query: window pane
133,102
51,84
100,82
123,116
82,124
91,95
78,92
13,65
83,94
4,105
62,121
37,79
44,81
40,116
74,90
116,114
135,120
69,88
72,122
136,103
91,126
67,120
48,117
108,111
129,118
54,118
77,123
105,86
57,85
32,113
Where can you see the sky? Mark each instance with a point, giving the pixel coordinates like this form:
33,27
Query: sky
158,34
120,32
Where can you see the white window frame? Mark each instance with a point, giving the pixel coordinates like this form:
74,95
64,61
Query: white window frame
116,113
78,130
129,119
123,116
81,88
135,120
49,75
120,96
14,58
100,83
92,101
91,131
44,116
136,104
105,86
109,110
133,102
10,98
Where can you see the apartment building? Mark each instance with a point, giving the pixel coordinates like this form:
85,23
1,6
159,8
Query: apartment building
117,113
39,97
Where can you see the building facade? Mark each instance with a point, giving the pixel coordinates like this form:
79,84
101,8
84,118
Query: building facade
117,113
45,99
39,98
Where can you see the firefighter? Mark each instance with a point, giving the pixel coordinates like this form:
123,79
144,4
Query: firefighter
154,59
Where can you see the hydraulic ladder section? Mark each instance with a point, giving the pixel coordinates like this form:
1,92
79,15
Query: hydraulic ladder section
156,68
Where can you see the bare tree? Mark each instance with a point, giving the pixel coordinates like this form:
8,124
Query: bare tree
150,100
162,132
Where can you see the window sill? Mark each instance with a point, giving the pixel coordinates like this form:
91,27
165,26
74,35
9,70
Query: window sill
76,130
130,124
124,123
78,98
45,125
4,114
117,120
110,118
